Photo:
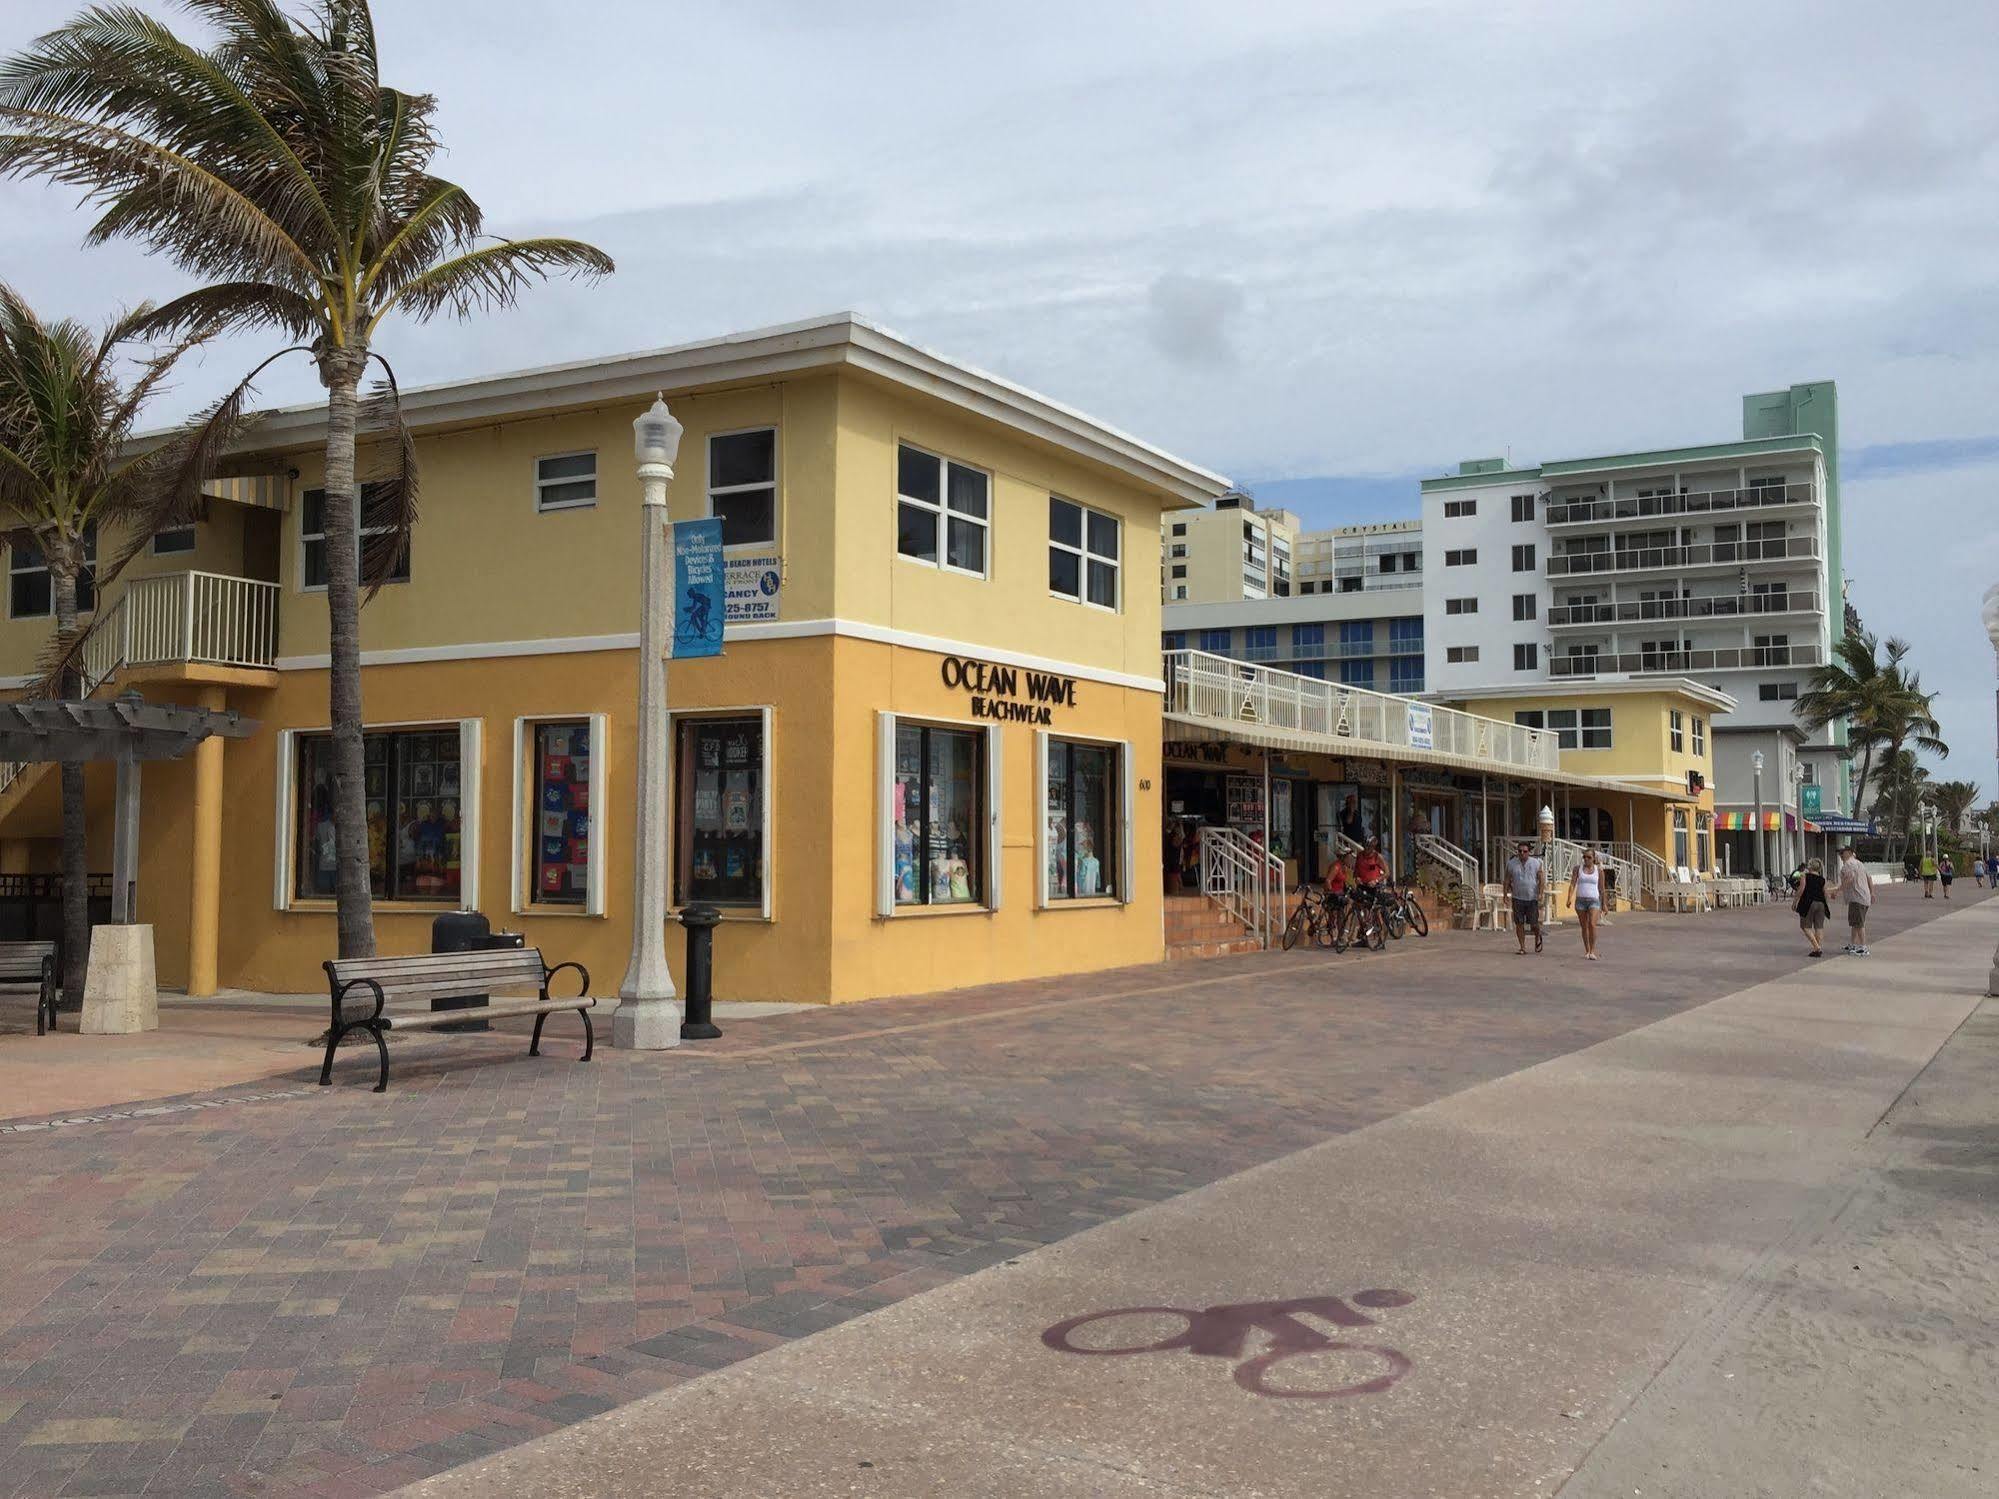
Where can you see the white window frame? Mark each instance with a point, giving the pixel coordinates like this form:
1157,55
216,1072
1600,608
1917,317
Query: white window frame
775,484
767,769
1608,729
1700,735
1676,731
361,541
1460,655
549,507
1461,606
944,513
1084,557
886,909
521,891
471,788
14,570
1127,791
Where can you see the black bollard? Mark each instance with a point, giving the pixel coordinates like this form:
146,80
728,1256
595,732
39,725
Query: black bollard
697,1020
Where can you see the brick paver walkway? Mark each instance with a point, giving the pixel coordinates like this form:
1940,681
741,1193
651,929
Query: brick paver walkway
331,1292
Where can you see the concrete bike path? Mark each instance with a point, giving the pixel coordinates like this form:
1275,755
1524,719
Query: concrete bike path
1556,1239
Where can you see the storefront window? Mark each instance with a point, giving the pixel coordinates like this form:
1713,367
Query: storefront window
1679,838
414,826
1082,820
562,852
939,815
718,794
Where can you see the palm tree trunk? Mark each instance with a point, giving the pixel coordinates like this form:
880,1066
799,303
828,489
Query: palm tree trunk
1860,781
340,372
75,839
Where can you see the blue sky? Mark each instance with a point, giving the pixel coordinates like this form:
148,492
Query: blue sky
1324,249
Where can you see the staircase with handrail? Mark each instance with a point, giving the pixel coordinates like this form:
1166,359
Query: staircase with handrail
1461,866
1245,880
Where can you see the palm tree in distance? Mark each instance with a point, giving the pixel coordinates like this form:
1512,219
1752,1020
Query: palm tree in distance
276,166
68,475
1953,801
1883,703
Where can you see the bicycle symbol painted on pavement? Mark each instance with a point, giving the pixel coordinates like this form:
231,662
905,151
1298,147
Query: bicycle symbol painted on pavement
1224,1332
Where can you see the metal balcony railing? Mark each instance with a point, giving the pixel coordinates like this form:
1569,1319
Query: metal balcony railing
1707,502
1230,693
1670,558
1726,606
1680,663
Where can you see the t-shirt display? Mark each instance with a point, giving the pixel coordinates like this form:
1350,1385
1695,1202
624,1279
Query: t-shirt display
720,764
562,850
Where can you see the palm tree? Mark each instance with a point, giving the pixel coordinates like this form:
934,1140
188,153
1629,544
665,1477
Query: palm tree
276,166
1883,703
67,475
1953,800
1904,788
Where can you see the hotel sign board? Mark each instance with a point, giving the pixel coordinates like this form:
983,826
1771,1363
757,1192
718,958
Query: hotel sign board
751,589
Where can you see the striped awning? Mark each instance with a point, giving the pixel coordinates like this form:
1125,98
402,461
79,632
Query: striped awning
261,491
1745,822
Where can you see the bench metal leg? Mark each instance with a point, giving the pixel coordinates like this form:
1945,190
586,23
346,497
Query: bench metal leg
333,1043
589,1035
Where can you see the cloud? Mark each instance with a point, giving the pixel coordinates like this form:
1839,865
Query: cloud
1187,318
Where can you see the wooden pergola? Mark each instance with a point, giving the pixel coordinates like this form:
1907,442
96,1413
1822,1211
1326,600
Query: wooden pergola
125,730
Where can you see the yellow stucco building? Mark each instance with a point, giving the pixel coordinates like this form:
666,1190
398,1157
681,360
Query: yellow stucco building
929,755
1655,733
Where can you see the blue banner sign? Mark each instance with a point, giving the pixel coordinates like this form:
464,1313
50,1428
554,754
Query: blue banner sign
697,588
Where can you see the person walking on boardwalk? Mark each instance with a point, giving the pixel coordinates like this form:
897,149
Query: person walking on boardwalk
1586,899
1812,907
1978,872
1929,868
1855,886
1526,881
1946,872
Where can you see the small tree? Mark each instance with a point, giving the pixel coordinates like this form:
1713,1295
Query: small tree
278,166
67,472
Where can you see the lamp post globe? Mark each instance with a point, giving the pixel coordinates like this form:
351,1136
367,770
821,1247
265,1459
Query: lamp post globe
647,1019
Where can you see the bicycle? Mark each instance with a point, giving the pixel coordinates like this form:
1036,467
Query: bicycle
1308,919
1404,912
1364,924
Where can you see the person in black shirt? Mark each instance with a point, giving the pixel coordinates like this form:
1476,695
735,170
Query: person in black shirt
1812,906
1352,824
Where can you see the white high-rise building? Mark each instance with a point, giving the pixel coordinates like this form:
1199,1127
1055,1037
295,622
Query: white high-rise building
1719,562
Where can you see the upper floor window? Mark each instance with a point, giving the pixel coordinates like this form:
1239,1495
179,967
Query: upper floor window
1523,558
1676,730
1357,674
1526,656
1523,606
1700,736
1405,674
1459,654
942,511
173,541
742,486
376,520
1461,557
1523,507
565,481
1083,552
1215,642
1357,636
1176,640
1259,643
1179,528
1455,508
1307,638
1776,692
1460,606
31,592
1406,634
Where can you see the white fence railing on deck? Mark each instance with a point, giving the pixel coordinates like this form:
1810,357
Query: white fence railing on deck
1238,693
1244,879
191,618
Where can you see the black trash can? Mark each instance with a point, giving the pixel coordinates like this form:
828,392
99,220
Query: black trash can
466,931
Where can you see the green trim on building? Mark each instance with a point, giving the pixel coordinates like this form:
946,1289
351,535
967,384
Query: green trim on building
1713,452
1479,480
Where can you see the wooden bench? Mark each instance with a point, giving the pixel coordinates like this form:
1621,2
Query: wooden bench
403,988
30,968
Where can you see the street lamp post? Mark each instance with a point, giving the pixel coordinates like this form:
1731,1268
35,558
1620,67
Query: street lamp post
1762,840
647,1018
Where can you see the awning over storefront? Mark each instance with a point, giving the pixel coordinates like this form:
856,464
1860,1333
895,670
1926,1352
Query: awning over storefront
1745,822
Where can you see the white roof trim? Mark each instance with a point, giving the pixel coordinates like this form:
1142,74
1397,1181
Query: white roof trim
842,339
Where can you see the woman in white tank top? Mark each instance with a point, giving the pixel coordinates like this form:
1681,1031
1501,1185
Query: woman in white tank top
1586,899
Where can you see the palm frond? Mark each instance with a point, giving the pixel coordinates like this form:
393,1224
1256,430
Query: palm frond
394,496
235,304
494,276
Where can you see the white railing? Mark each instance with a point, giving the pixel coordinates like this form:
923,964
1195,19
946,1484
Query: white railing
1696,554
1461,865
1561,857
191,618
1640,663
1727,606
1651,868
1561,512
1245,880
1233,693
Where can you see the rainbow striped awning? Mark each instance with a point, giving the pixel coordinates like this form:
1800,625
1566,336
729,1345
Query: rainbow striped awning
1745,822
